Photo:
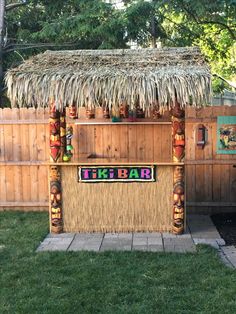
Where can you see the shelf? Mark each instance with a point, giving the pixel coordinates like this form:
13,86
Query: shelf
114,162
104,122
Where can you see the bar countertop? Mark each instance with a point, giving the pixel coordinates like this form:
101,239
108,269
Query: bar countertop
86,160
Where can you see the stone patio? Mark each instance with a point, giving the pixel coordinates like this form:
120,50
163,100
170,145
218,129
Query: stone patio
200,230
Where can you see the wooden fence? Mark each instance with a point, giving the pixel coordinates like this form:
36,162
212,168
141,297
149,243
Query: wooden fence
23,150
210,178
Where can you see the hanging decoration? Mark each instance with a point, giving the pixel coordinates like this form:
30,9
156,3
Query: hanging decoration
63,131
69,147
55,199
178,142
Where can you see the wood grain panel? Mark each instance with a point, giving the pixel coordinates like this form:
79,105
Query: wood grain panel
132,138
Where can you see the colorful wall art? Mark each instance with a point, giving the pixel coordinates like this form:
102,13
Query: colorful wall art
226,135
116,174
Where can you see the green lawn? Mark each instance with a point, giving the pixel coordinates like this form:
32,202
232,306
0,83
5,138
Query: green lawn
110,282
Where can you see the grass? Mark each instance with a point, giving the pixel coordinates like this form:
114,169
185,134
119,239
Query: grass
109,282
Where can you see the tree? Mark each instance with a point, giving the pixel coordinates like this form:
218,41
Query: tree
211,25
81,24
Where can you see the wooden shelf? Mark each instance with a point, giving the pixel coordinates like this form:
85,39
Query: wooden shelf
113,162
96,122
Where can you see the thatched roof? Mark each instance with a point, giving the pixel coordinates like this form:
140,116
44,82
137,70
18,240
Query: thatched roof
94,77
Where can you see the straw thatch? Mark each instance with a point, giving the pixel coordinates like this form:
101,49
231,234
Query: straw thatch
117,207
94,77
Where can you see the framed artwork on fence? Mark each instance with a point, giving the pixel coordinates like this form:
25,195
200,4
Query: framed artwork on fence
226,135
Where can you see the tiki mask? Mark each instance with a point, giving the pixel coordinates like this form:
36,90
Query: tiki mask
156,113
178,193
90,113
178,126
106,114
124,112
178,174
178,206
73,112
54,174
178,139
54,125
55,191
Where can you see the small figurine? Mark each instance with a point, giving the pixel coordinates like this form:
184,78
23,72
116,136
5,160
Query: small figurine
139,112
90,113
73,111
106,113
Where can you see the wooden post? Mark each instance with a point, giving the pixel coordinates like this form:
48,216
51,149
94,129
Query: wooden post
63,132
56,224
56,127
178,142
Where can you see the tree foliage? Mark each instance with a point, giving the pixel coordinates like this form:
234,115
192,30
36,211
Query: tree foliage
80,24
211,25
36,25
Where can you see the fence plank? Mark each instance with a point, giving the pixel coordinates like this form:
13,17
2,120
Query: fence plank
24,143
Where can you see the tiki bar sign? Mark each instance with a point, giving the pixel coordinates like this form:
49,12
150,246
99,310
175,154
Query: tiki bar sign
116,174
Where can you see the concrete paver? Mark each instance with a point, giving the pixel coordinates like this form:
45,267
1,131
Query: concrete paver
179,245
230,254
55,244
117,241
86,242
200,230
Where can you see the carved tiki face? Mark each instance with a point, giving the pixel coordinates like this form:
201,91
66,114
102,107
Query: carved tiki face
178,126
54,125
54,174
178,195
178,173
106,114
55,193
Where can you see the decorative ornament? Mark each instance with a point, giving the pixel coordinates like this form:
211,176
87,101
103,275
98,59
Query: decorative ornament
73,111
106,114
90,113
68,154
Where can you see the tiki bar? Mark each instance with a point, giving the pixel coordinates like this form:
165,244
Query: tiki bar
117,133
